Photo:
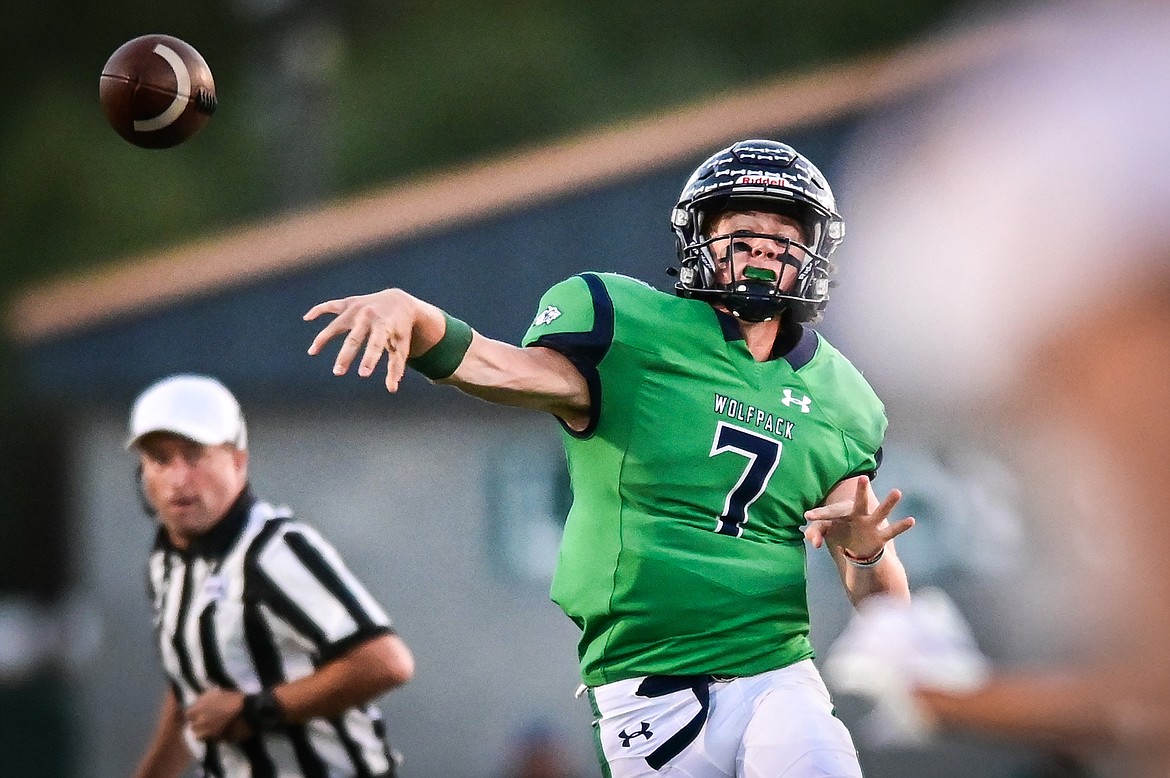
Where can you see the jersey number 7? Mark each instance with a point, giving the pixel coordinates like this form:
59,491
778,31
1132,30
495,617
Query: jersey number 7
763,454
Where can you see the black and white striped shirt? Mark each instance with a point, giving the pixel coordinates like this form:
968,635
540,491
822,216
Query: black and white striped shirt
258,601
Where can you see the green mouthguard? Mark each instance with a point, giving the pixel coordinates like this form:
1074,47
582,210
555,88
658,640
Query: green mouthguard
759,274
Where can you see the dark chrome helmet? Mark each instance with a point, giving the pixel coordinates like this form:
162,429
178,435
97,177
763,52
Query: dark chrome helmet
757,175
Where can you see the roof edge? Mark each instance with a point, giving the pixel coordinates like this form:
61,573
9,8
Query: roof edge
470,192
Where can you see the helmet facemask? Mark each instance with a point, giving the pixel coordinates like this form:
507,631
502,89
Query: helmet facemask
749,292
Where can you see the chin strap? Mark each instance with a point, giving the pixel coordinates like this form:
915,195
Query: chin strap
752,301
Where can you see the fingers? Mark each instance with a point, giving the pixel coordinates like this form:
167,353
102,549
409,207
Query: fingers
201,724
898,527
395,343
365,330
379,342
328,333
815,532
855,508
329,306
396,366
837,510
238,731
388,340
210,714
848,522
887,505
861,497
373,325
204,730
331,330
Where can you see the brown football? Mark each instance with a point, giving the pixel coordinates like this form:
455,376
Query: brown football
157,91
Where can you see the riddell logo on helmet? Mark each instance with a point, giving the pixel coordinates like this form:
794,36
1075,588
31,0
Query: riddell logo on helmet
761,180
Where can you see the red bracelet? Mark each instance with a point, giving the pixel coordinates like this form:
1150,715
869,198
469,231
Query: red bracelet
866,562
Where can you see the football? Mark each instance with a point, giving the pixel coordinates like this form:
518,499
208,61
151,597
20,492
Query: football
157,91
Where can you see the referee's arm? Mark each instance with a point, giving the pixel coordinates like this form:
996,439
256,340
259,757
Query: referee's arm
366,670
311,587
362,673
303,581
167,755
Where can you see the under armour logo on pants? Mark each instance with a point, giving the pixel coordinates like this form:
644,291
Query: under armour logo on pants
660,685
644,731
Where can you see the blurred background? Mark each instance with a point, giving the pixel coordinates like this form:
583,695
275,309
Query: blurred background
473,153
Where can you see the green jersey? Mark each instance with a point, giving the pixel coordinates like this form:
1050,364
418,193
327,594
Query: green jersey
683,551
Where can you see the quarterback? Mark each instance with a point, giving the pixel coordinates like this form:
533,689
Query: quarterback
709,434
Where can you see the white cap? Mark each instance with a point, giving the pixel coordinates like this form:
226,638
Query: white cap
196,407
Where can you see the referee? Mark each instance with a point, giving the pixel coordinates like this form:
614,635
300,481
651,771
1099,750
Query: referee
273,650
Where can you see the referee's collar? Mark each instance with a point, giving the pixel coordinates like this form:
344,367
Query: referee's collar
216,541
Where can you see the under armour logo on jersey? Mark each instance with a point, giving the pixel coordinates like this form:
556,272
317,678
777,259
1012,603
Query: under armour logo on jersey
547,316
804,402
644,732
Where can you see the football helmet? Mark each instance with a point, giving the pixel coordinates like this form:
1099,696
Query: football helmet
757,175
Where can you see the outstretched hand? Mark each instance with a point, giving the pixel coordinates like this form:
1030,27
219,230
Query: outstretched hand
383,322
850,525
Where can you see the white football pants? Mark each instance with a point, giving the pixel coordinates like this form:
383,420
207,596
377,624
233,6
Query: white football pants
778,724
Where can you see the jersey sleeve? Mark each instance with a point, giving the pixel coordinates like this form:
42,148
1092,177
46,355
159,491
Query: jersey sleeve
309,586
576,318
856,411
863,439
565,309
867,463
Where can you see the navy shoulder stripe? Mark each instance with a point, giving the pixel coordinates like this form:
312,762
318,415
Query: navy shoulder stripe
586,349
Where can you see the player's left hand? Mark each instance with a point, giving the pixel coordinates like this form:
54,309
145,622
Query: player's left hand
214,711
849,524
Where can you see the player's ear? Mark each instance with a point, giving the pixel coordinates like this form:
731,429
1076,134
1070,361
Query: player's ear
140,492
